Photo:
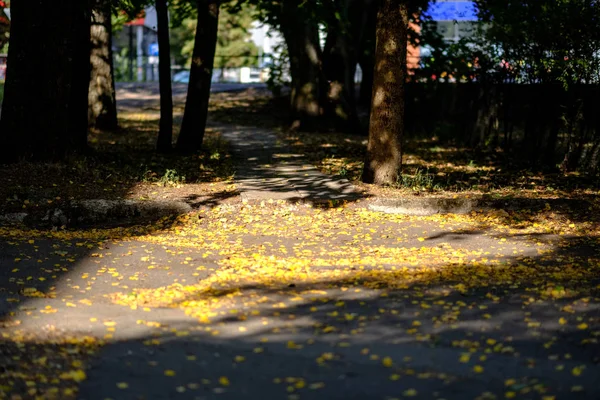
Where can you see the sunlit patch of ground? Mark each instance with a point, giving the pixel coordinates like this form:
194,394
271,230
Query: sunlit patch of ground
482,286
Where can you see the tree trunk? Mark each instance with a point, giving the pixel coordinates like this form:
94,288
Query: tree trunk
301,34
348,24
44,115
165,130
366,53
203,58
339,68
384,151
102,107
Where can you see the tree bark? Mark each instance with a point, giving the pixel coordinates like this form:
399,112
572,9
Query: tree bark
102,107
339,68
165,131
203,58
345,40
301,34
366,53
384,151
44,115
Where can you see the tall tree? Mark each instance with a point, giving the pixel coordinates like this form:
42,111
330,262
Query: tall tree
203,57
300,29
384,150
234,45
234,39
165,132
347,34
102,104
44,115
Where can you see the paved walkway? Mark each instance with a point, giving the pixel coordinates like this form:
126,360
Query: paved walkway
267,169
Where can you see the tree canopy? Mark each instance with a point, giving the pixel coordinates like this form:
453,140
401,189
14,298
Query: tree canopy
234,47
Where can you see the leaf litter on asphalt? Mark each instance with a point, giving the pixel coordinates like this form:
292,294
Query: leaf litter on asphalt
327,275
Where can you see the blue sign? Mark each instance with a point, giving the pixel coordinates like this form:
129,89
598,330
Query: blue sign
153,49
452,11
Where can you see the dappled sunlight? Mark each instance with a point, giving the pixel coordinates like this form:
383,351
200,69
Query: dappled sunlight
440,168
441,299
300,280
321,295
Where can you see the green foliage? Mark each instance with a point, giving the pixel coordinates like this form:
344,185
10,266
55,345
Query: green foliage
124,11
418,181
121,65
182,40
278,69
447,61
129,9
171,178
234,48
533,41
234,39
544,40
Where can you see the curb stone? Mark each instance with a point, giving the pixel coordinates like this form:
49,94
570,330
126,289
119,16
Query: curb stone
13,218
98,211
432,206
425,206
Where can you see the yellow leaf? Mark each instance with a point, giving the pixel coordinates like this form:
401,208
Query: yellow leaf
387,362
122,385
478,369
169,372
76,375
224,381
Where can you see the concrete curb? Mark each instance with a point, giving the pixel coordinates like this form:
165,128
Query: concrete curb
431,206
99,211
